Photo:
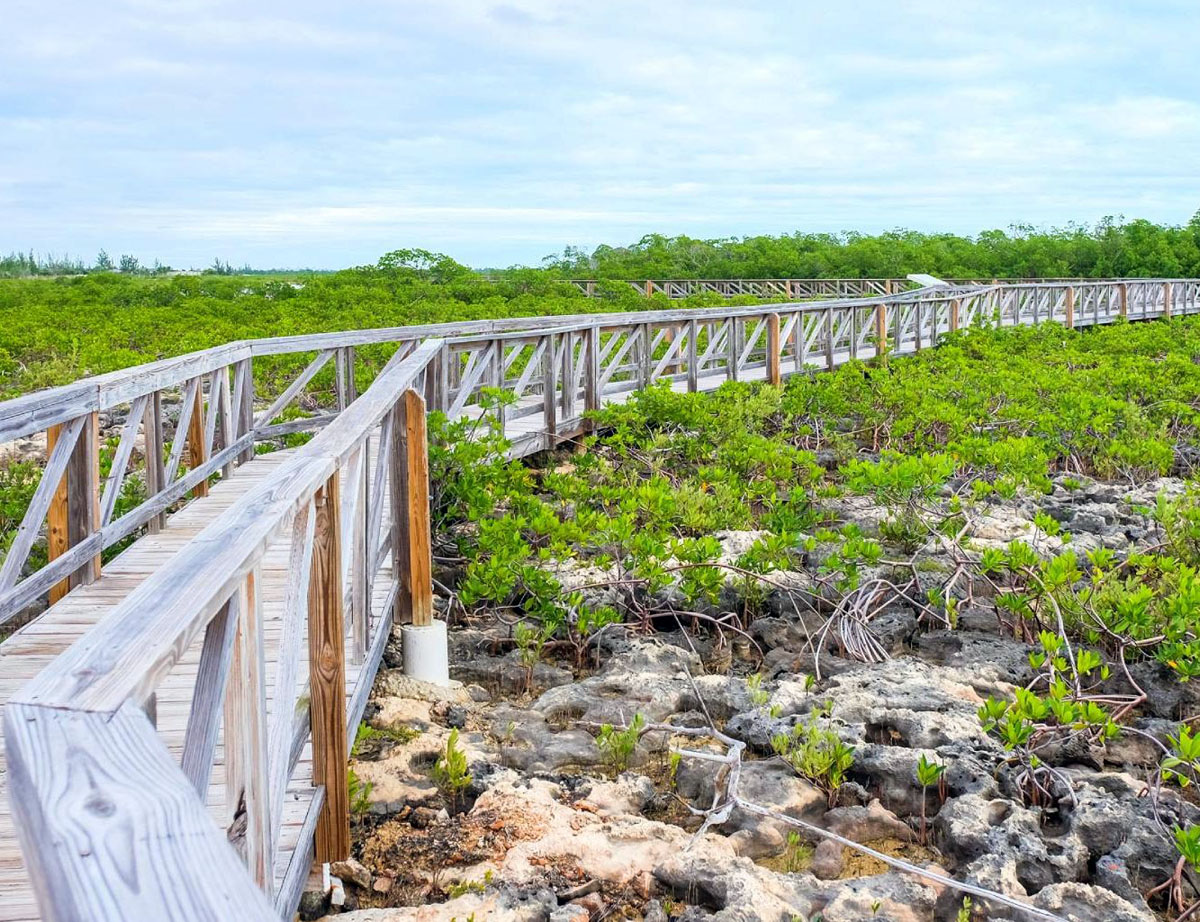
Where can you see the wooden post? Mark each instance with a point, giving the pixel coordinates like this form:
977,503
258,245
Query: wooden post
693,356
411,543
774,376
954,308
732,350
74,513
197,449
347,393
56,526
550,390
1070,307
787,287
243,405
649,288
829,338
247,789
881,329
1167,300
327,678
591,370
645,356
1124,290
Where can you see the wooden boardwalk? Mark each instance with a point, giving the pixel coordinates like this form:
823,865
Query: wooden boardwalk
31,648
112,698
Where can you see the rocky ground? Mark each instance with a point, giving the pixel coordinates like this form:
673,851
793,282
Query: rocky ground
548,829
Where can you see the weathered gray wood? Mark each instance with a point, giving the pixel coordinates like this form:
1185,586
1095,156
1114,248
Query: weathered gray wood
110,827
39,504
204,717
153,449
291,888
179,438
83,497
283,703
290,392
120,463
247,785
127,654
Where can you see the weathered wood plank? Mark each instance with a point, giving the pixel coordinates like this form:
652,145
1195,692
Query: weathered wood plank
247,786
120,833
216,656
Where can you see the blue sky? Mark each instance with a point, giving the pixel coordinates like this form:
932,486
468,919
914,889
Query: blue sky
324,134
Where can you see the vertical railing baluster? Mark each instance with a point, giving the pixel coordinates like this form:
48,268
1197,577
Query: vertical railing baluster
549,387
247,785
156,471
693,356
591,375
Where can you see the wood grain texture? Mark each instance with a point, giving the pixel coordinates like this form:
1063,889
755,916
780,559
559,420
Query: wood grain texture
415,573
120,833
327,677
56,526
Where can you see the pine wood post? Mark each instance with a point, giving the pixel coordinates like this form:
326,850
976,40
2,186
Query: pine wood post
774,376
1167,300
1124,290
74,513
197,449
788,288
889,287
327,677
649,288
954,308
56,525
411,540
1070,307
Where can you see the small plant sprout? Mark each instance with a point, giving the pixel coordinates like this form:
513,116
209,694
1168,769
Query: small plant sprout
964,911
929,773
618,746
360,793
816,753
759,696
798,854
450,772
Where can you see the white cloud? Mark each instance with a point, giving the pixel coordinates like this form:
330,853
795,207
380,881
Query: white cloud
305,134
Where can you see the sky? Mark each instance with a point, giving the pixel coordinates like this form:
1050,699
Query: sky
317,134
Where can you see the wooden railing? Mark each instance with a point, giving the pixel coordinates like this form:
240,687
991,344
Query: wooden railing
111,824
802,289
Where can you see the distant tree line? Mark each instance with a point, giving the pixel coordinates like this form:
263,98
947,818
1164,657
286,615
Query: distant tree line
1112,248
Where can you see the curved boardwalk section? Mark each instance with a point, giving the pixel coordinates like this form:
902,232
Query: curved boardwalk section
176,722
